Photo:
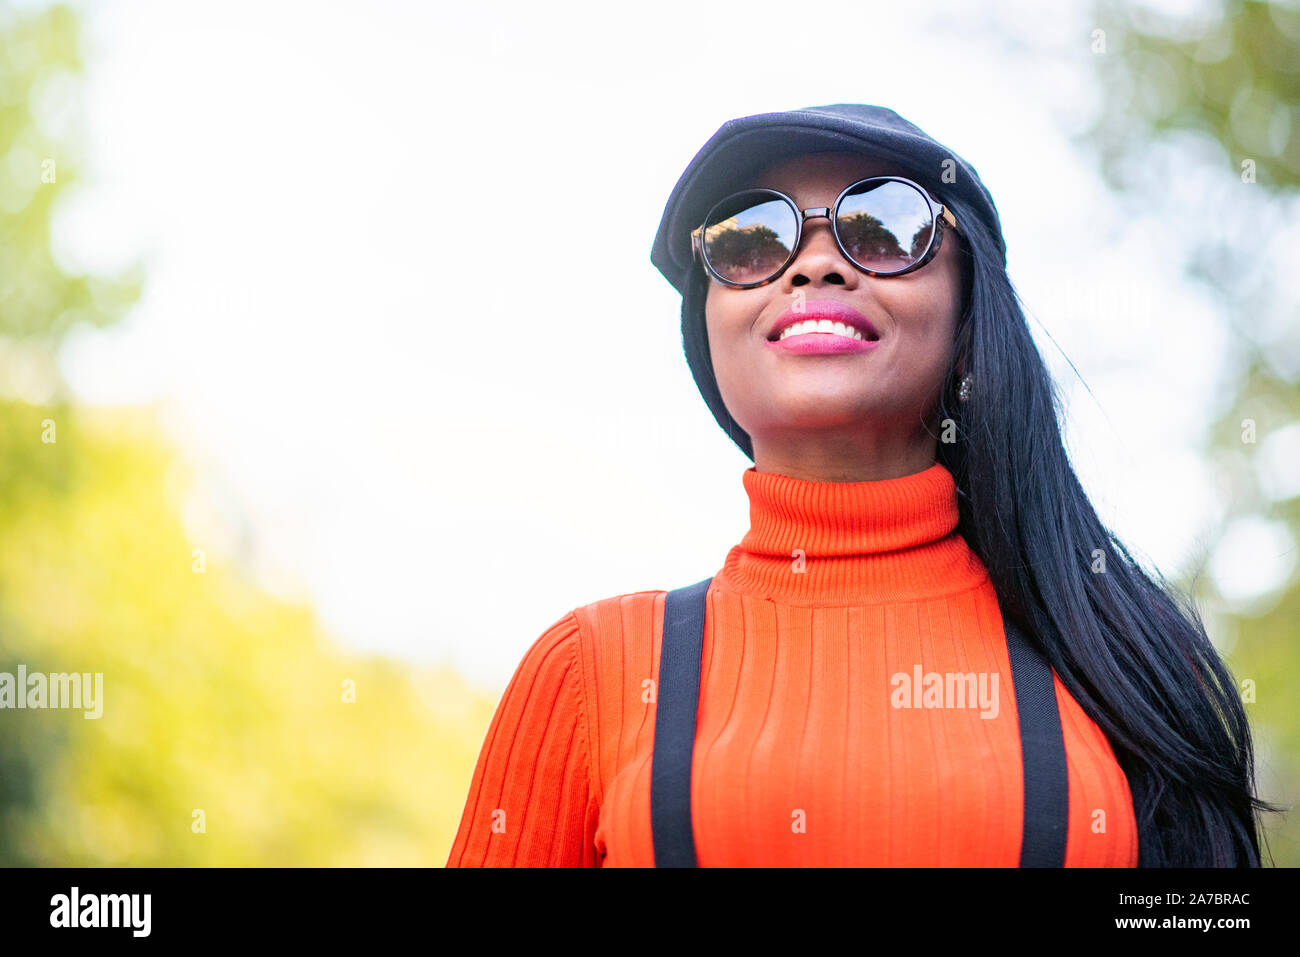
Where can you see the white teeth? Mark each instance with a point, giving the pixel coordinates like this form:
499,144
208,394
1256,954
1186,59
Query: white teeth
821,325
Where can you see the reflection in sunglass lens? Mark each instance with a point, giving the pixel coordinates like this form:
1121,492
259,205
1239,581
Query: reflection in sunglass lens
749,237
885,225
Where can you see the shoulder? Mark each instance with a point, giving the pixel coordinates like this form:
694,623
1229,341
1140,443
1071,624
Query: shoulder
618,635
597,616
594,636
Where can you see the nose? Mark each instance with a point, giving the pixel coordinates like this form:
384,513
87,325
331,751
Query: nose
818,255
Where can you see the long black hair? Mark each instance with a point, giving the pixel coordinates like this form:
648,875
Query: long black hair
1132,650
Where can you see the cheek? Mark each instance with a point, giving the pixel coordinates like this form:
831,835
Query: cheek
727,321
735,356
925,324
927,309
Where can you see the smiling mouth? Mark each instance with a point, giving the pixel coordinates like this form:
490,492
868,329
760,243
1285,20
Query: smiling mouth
824,326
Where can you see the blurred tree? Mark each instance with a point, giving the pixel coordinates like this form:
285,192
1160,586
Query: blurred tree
1215,101
216,698
221,705
40,65
38,305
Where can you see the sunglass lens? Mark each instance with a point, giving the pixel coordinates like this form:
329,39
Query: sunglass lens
885,225
749,237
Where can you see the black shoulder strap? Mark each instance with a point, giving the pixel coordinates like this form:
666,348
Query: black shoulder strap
677,696
1042,748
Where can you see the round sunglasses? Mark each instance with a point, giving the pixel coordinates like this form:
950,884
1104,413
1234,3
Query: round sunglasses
884,225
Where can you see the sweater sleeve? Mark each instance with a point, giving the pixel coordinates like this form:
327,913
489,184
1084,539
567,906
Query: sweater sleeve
531,803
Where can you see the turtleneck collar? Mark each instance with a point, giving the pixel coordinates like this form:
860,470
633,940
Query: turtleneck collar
826,543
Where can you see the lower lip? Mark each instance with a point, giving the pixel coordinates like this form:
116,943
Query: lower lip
822,343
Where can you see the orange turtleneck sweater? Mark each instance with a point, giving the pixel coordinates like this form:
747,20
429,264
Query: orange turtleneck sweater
812,748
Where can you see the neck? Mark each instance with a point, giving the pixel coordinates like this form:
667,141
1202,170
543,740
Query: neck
844,455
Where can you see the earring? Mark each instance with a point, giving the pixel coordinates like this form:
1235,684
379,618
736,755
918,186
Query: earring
963,388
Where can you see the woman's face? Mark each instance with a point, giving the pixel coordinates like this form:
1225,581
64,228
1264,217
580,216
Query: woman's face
847,416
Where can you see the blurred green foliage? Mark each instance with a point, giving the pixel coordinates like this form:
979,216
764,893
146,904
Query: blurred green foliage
1232,78
40,62
217,698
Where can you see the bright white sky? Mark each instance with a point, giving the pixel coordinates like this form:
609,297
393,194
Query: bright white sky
445,449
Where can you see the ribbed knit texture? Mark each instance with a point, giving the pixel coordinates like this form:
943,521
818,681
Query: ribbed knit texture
804,755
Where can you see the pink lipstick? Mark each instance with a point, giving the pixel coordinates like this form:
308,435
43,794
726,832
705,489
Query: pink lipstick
825,327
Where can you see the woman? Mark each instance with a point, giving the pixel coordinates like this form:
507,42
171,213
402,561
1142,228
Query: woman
917,540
